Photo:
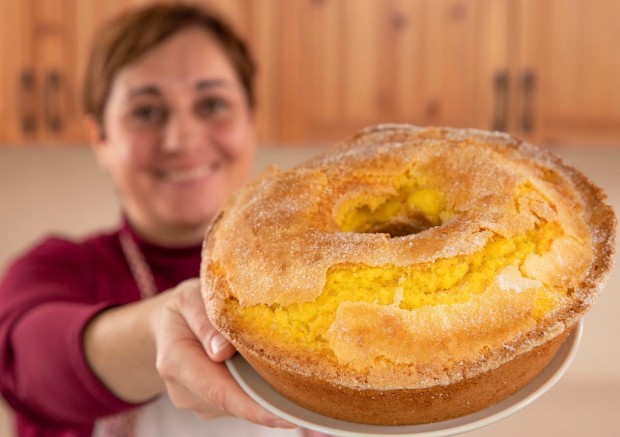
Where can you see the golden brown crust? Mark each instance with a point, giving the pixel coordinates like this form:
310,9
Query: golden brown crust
244,265
408,407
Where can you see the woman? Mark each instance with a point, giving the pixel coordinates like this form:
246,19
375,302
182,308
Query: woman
90,343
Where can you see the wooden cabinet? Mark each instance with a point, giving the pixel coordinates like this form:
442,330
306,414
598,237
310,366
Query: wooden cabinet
38,74
360,62
567,71
18,84
43,51
546,70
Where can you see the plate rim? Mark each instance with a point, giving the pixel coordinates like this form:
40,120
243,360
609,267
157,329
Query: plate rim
241,371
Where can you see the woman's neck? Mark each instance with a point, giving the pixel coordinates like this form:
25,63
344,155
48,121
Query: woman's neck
169,235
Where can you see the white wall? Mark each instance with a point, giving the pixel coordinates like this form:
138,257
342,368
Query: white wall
63,190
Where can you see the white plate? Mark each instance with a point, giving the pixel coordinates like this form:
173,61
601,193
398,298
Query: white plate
259,390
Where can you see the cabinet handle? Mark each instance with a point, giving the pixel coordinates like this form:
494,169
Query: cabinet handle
500,112
51,101
528,83
27,102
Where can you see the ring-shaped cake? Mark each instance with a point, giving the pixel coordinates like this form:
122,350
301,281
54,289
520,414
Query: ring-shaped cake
410,275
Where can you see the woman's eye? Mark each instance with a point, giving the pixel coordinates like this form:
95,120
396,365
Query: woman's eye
212,107
148,114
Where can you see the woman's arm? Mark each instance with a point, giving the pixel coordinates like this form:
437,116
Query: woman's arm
46,300
120,348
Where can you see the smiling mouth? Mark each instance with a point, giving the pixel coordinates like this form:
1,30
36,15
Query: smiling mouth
189,175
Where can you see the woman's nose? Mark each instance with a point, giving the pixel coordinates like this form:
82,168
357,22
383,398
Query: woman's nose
183,132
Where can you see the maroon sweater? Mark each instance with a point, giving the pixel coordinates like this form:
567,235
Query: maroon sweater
46,298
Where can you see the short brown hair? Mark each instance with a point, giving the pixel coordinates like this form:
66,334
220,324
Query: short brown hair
124,39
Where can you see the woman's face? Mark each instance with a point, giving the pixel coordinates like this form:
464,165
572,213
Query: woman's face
178,136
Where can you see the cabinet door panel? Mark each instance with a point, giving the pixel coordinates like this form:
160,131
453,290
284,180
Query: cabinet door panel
601,60
571,54
424,62
450,59
19,87
57,69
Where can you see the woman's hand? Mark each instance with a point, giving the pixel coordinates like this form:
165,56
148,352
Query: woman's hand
167,343
190,352
196,381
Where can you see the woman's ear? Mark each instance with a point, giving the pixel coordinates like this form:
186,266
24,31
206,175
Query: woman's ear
96,139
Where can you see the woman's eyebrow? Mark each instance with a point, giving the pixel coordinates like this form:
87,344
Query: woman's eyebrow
210,83
148,90
152,90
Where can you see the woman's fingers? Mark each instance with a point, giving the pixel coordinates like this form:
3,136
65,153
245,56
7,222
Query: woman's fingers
218,347
193,308
195,381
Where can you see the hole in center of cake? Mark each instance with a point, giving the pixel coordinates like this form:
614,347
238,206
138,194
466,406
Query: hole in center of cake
408,211
401,226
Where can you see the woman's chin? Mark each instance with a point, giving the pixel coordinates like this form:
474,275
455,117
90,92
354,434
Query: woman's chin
186,225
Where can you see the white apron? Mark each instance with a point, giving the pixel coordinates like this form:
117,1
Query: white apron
161,419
